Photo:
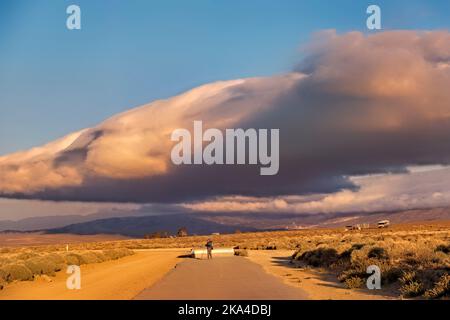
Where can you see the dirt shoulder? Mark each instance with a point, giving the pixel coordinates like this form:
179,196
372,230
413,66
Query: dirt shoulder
318,284
120,279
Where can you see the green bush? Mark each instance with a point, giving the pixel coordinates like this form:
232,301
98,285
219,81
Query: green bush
17,272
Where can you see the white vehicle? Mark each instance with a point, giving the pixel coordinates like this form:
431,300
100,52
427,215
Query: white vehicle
383,224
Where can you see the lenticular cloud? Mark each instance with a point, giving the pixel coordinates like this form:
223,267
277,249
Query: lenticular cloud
354,105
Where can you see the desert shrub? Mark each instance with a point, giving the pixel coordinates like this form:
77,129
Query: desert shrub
33,266
378,253
4,261
101,257
2,274
358,246
346,255
411,286
440,289
429,277
354,282
2,283
88,257
43,265
443,248
26,255
391,275
411,262
125,252
73,259
295,256
17,272
355,271
111,254
55,259
241,252
322,257
412,289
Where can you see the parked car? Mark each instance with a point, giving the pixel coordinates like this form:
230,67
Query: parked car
383,224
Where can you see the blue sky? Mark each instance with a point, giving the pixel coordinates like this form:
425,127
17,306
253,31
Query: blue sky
54,81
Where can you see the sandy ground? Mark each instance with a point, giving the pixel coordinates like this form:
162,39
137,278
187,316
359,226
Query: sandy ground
39,238
224,278
119,279
319,285
160,274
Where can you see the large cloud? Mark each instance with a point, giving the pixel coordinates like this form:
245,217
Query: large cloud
424,188
355,105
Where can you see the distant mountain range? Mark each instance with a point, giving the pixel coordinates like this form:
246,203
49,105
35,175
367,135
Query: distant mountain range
39,223
140,226
57,221
206,223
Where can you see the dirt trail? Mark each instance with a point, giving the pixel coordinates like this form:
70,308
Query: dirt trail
230,278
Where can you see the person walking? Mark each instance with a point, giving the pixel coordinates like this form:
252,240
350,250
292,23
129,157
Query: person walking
209,248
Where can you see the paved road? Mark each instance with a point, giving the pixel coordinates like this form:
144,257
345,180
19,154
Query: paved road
230,278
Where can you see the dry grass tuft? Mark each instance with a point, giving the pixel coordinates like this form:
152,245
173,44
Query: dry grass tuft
441,288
